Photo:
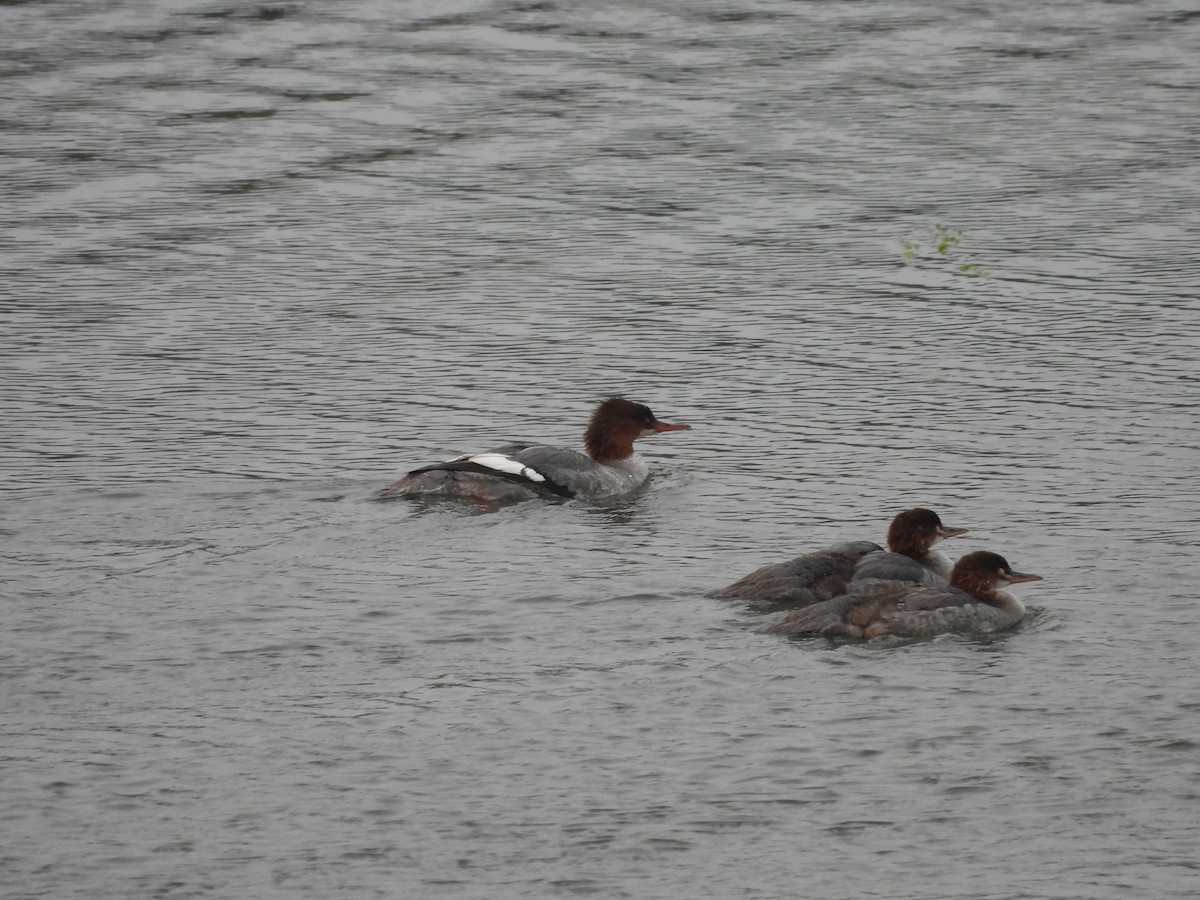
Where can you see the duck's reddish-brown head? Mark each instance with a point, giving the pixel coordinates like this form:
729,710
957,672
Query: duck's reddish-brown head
914,531
616,424
982,572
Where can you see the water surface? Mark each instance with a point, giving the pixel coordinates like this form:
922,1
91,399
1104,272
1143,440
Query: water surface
257,261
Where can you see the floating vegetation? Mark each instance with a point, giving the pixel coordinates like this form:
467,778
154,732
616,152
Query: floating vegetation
943,250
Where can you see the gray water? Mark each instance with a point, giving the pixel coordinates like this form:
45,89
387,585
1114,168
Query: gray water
257,261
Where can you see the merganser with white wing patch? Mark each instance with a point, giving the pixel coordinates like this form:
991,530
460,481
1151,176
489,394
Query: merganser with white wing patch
515,472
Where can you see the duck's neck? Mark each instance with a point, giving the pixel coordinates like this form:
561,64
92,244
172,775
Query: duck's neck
938,562
1010,603
607,443
911,546
983,588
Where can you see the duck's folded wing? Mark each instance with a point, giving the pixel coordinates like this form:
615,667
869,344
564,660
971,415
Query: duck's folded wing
806,579
567,472
896,567
966,618
520,464
828,617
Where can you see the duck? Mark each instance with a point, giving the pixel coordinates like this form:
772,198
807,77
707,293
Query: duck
827,573
910,555
973,603
608,467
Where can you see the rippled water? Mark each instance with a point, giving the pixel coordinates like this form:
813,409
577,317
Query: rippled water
259,260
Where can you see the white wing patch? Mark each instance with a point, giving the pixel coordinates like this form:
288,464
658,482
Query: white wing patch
502,463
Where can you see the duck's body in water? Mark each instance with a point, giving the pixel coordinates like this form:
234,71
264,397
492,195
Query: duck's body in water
825,574
609,467
973,603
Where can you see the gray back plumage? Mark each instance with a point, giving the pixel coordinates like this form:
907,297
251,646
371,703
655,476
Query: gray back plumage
810,578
